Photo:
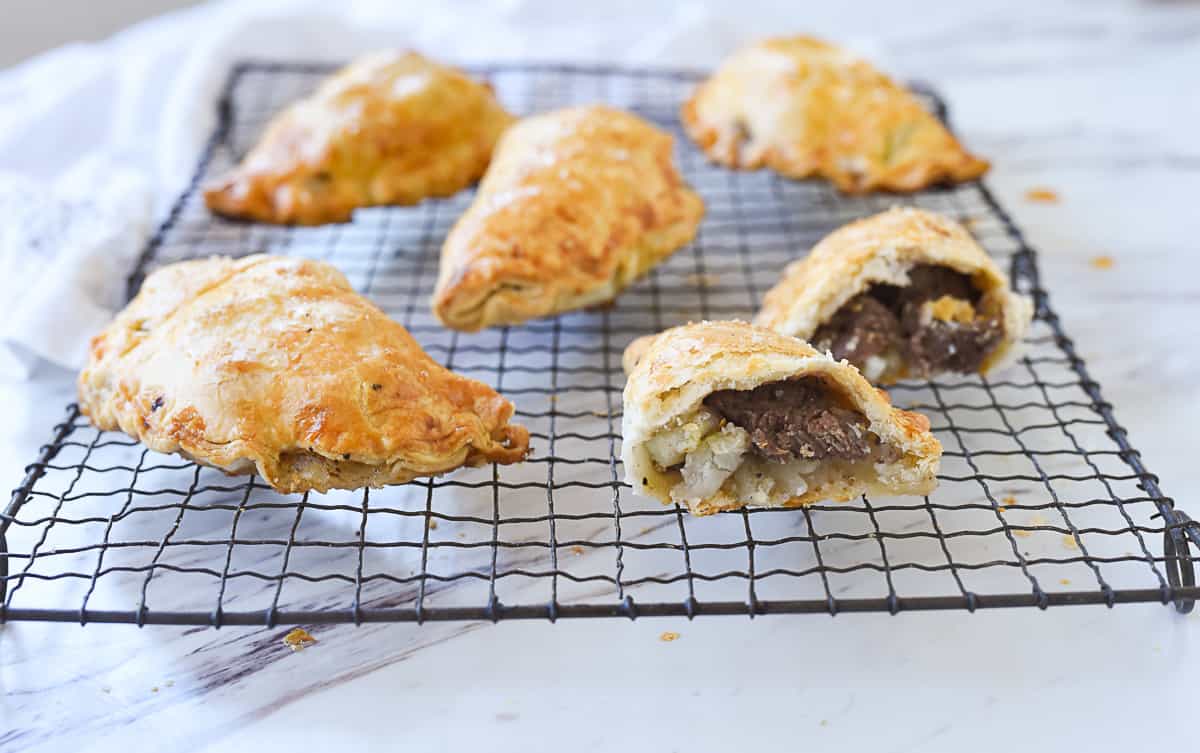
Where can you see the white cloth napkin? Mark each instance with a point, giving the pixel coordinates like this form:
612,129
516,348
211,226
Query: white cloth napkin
65,250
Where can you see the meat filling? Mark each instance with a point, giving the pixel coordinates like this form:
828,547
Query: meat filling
933,323
794,420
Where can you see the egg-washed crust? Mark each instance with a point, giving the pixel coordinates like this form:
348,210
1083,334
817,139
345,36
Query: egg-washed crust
576,205
881,249
391,128
672,373
276,366
806,108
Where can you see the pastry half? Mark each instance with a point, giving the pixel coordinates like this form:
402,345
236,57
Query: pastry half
275,366
905,293
720,415
806,108
391,128
576,204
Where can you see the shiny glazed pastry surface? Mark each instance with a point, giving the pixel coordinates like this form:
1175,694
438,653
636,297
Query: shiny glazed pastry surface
276,366
806,108
391,128
576,205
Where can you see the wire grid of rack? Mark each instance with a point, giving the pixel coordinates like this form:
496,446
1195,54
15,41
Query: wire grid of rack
1042,501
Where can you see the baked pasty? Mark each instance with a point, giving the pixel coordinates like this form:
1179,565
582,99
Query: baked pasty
903,293
719,415
391,128
275,366
576,204
806,108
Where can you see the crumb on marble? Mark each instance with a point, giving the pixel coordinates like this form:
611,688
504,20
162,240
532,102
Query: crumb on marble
1069,542
298,639
668,636
1042,195
1103,262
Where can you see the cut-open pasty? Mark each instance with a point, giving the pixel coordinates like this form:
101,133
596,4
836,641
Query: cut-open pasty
899,294
805,108
276,366
719,415
391,128
576,204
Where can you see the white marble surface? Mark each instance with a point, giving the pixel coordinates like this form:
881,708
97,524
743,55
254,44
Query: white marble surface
1097,102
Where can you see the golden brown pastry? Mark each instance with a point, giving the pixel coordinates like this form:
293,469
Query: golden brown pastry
720,415
391,128
275,366
806,108
902,293
576,205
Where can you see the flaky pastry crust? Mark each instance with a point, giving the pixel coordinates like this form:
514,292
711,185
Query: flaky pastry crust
806,108
391,128
276,366
576,204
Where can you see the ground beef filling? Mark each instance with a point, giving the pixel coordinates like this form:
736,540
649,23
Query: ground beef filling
795,419
889,319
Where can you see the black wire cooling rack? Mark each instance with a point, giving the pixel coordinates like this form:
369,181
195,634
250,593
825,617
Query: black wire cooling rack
1042,500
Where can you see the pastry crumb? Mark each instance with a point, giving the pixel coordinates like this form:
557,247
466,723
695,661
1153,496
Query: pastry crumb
577,551
702,280
433,524
824,722
1069,542
1022,533
298,639
1102,262
1065,581
154,689
668,636
1042,195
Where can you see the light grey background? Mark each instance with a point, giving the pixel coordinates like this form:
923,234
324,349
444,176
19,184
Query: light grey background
31,26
